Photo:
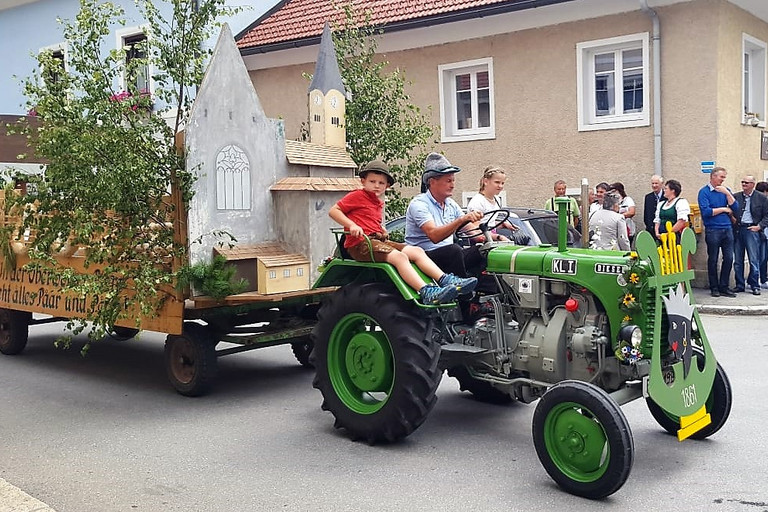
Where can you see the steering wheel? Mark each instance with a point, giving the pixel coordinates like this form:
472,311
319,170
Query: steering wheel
488,223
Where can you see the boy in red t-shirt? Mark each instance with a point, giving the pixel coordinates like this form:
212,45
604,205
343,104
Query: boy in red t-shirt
361,213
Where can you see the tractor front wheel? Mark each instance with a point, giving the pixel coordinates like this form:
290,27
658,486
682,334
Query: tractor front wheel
583,439
375,366
718,405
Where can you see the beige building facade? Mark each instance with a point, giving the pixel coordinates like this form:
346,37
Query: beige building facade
566,92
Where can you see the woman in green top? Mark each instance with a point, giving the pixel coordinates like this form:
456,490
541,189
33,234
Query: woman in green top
675,209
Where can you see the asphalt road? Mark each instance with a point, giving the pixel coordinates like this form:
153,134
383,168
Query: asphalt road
108,433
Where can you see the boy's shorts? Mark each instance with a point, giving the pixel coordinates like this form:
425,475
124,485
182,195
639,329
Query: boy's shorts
380,249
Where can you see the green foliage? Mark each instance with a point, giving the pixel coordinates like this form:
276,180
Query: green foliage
381,120
112,159
213,279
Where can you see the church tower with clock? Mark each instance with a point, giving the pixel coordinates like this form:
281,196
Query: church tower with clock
327,100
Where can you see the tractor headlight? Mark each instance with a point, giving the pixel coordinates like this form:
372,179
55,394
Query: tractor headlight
632,334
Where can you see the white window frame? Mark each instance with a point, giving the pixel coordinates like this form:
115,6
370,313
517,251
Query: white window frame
126,33
585,83
449,131
753,80
63,47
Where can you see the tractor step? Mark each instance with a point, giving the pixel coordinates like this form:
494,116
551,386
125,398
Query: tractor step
460,347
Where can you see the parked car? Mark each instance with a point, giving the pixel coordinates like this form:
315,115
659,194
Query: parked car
535,227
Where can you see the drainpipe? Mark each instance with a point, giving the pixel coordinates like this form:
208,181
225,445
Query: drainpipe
656,86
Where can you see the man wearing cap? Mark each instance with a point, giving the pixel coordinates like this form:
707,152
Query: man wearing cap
433,217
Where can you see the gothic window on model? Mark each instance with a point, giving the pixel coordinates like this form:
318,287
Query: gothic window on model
233,179
613,82
753,81
466,100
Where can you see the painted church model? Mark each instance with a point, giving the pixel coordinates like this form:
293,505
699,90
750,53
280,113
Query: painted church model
270,194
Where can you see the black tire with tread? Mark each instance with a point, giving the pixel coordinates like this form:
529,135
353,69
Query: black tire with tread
722,399
415,360
481,390
190,360
14,330
598,405
302,350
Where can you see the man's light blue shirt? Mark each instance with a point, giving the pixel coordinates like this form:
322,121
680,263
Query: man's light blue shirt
424,208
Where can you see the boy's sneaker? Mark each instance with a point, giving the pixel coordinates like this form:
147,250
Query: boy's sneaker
431,294
465,285
764,285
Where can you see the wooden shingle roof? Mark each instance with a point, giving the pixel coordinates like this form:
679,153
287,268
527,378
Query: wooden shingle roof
317,183
307,153
297,22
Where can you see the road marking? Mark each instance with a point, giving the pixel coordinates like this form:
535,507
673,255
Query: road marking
13,499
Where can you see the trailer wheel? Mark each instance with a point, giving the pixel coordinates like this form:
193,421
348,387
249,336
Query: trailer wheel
583,439
375,367
302,349
482,391
14,330
718,405
190,360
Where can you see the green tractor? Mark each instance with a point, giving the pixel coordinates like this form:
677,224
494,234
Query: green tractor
582,331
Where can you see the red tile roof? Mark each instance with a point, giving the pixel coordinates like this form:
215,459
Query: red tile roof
291,21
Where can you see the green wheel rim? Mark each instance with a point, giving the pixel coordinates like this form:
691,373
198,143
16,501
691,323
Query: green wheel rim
576,442
360,363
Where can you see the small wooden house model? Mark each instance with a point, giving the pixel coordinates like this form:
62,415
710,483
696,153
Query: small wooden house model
268,267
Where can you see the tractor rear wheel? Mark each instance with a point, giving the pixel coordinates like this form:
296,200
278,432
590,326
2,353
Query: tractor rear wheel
375,367
718,405
583,439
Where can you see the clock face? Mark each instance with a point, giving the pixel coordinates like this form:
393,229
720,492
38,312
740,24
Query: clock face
334,102
317,99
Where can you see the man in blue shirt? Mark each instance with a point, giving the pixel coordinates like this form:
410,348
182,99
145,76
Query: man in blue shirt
432,219
718,208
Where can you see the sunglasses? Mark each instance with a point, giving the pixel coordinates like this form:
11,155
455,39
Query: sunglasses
747,182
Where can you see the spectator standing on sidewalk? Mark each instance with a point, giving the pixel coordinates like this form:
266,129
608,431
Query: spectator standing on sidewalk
748,233
597,203
718,206
651,203
762,187
572,210
626,208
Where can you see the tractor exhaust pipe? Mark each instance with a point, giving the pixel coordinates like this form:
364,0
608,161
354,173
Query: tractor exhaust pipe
561,203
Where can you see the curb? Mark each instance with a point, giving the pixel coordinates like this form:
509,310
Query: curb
732,310
13,499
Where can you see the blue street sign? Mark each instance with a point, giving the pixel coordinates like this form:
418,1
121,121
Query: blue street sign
707,166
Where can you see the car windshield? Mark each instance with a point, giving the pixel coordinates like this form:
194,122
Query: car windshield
536,227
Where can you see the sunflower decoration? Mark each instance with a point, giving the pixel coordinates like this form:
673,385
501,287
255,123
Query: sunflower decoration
635,277
627,319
